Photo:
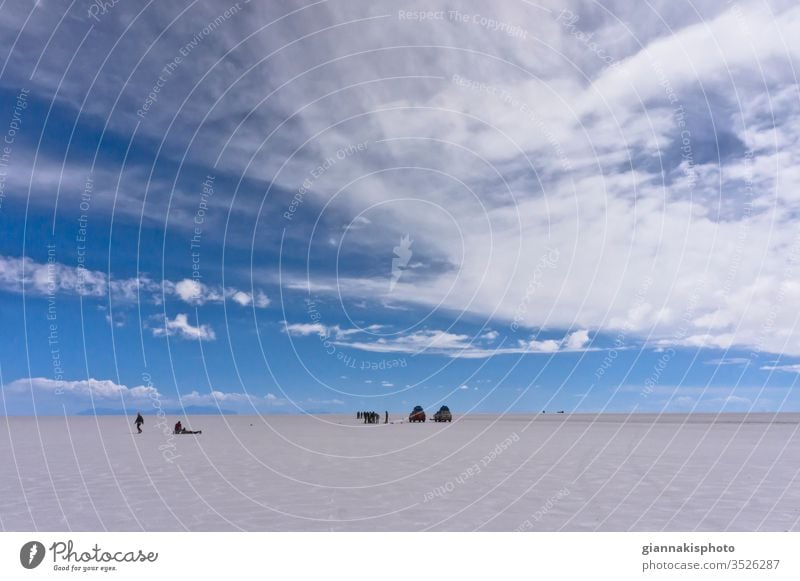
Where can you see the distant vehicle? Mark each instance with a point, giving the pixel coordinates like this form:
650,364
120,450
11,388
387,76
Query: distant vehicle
443,415
417,414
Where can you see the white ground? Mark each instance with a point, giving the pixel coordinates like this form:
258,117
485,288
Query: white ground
332,473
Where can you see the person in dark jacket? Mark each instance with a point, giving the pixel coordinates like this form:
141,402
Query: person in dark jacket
139,421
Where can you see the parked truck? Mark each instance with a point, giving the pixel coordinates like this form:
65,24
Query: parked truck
417,414
443,415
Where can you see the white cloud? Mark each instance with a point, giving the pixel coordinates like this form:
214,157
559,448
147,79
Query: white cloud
577,340
616,220
197,293
546,346
744,37
242,298
94,388
190,291
180,327
196,398
305,329
54,278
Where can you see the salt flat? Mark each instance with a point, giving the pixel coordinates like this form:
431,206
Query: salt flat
481,472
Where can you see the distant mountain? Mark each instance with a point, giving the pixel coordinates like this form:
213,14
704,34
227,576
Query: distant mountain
102,412
189,410
200,410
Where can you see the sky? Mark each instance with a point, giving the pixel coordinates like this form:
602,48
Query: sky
332,206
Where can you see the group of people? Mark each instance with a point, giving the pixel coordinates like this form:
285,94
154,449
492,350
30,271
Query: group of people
179,429
372,417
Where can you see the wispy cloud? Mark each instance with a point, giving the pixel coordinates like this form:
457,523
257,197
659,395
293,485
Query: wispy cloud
455,345
642,197
729,361
792,368
306,329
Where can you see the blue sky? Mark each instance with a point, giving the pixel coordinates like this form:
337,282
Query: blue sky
332,206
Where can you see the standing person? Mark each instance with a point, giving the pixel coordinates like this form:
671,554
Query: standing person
386,421
139,421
